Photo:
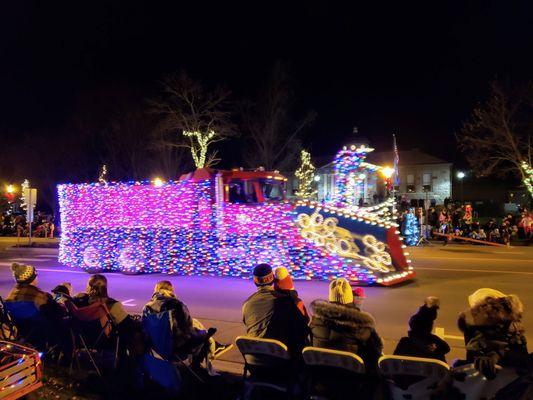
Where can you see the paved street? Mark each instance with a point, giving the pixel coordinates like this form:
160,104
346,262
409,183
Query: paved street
451,273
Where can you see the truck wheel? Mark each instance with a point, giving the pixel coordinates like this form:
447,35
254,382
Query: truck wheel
95,270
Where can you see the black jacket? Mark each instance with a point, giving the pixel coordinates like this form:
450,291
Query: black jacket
345,327
420,342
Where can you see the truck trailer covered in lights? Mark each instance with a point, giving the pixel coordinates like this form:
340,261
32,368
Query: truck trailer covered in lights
223,223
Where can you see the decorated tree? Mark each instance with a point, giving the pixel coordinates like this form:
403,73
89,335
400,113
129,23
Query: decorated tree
411,231
23,200
202,116
306,175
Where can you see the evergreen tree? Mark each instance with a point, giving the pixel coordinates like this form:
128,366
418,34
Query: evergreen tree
305,174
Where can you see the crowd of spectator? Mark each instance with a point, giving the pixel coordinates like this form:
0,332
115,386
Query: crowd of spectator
460,220
17,225
492,325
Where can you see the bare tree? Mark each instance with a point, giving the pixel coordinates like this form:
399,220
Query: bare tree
497,138
201,116
274,136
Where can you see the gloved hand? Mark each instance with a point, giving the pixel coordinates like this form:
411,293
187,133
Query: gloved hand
487,365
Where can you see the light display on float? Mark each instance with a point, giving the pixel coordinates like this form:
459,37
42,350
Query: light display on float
224,224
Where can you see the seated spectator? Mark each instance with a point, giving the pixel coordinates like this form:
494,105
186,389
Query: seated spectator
96,292
188,333
47,327
284,284
26,290
273,315
340,325
493,331
420,342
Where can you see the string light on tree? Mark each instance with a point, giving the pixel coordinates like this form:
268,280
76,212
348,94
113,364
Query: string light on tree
102,177
199,145
306,176
528,177
23,201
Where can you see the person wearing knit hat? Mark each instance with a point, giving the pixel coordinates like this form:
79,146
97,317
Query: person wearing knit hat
284,284
26,288
273,314
339,325
263,275
45,329
420,342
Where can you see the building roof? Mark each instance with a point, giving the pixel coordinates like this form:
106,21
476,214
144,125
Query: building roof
407,157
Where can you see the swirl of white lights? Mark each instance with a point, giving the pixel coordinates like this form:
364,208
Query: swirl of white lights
325,233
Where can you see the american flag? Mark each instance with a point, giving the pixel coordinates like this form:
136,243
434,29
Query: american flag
396,162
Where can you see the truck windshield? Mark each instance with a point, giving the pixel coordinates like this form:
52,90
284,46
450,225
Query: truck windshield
242,192
273,190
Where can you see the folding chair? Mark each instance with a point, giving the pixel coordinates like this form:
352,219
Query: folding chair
332,373
8,329
267,364
161,361
412,377
473,385
93,332
28,320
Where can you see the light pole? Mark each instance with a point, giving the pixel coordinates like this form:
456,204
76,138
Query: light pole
460,176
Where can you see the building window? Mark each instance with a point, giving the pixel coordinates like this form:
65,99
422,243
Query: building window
411,188
427,182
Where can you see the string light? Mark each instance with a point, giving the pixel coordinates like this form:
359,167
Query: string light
305,174
178,228
528,179
24,189
199,151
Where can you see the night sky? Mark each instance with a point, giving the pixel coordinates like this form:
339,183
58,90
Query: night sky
411,68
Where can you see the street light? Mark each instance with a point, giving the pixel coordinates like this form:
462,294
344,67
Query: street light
10,189
460,175
386,172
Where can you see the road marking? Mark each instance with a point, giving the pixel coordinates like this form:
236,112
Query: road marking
46,256
27,259
444,258
128,303
66,271
440,333
475,270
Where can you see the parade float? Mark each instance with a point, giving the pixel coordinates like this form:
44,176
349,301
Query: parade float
223,223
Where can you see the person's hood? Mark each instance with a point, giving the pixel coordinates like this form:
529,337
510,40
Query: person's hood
342,316
492,312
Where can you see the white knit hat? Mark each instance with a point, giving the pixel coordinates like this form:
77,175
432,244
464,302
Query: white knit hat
481,294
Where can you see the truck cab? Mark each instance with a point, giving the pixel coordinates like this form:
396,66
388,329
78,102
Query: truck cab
253,187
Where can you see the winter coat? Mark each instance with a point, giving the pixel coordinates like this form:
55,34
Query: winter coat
182,326
293,294
273,315
345,327
420,342
43,301
494,328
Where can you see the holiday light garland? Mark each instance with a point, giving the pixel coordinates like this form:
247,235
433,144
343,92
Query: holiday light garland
350,175
24,189
199,150
528,179
305,174
178,227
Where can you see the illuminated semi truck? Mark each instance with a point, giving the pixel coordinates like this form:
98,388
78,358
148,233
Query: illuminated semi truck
223,223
